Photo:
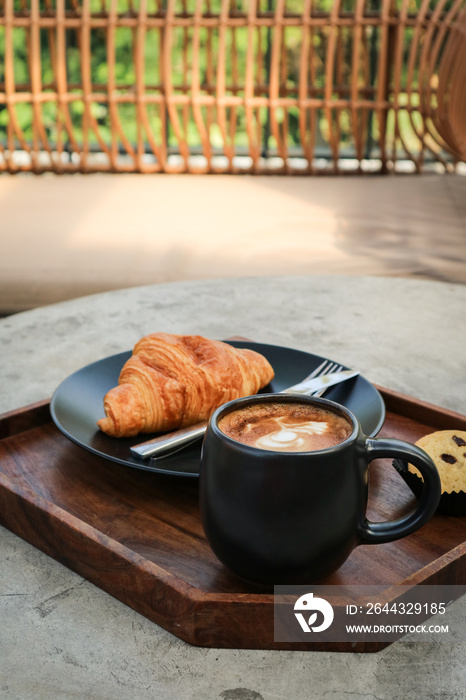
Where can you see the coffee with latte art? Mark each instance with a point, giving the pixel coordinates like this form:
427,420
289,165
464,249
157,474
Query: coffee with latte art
286,427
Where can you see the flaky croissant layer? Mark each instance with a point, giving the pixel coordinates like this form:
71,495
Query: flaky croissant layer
172,381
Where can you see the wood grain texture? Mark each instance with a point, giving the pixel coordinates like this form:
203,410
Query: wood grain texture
138,535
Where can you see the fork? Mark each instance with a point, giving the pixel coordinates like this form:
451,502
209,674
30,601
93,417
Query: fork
326,367
179,439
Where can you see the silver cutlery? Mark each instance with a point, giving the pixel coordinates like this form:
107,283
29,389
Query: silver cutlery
315,384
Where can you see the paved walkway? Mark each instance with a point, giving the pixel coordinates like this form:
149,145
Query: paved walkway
68,236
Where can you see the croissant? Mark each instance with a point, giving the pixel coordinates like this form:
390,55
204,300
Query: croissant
172,381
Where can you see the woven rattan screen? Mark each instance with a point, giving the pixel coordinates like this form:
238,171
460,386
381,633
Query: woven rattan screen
294,86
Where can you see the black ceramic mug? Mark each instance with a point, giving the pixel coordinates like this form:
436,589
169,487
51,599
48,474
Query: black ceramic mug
280,517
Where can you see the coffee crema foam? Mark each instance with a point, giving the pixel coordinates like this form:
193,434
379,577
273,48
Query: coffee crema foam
286,427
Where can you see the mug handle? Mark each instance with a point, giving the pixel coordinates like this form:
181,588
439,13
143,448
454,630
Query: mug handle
377,533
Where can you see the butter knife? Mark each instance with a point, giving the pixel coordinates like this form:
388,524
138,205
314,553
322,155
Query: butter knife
174,441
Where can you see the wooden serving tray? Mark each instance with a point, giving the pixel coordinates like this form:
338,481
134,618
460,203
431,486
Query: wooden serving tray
138,535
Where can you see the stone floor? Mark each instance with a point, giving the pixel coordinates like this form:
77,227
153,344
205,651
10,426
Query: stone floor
67,236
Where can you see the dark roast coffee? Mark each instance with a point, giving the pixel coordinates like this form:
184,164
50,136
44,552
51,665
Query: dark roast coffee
286,427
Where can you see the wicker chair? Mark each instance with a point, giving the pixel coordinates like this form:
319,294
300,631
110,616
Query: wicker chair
229,86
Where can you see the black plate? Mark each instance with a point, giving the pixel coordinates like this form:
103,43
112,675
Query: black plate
77,405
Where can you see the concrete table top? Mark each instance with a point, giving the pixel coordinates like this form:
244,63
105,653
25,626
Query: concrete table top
61,637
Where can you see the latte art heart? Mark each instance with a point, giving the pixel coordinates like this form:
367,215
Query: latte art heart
286,427
291,436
